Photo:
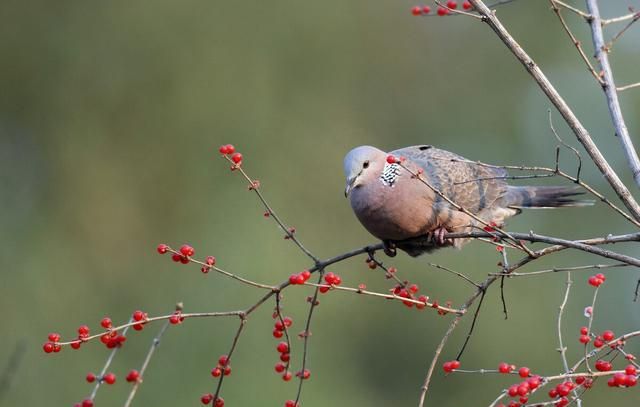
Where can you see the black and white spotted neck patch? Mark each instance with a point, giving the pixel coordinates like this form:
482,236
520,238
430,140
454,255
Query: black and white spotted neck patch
390,174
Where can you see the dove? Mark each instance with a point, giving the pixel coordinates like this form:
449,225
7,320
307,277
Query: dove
394,205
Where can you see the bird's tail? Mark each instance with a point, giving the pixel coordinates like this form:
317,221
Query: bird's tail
544,197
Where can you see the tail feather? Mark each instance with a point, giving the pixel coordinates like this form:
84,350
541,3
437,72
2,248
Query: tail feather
544,197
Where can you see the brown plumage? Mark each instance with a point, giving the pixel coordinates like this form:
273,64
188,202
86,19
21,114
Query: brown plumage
394,206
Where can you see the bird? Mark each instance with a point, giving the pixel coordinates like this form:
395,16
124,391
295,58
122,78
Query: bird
398,196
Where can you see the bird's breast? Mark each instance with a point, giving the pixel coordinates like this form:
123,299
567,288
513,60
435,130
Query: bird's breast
394,210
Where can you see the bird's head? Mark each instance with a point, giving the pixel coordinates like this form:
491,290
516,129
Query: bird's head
360,162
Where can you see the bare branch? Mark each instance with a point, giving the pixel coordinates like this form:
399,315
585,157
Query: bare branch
609,88
573,9
576,126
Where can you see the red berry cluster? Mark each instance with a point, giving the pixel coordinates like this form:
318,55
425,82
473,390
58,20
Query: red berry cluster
441,11
223,367
52,345
299,278
450,366
523,389
176,318
112,339
597,280
140,318
210,262
229,149
209,398
562,390
281,325
409,291
628,378
332,279
600,340
282,366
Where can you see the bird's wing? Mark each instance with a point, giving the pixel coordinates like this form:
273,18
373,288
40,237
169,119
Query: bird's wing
470,185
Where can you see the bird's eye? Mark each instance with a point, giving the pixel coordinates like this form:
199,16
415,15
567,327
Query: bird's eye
365,164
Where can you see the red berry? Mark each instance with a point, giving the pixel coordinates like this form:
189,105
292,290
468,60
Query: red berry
287,376
236,158
285,357
293,279
534,382
162,248
283,347
442,11
426,9
219,402
413,288
83,330
210,260
466,5
280,367
187,250
504,368
601,277
306,274
563,390
562,402
513,390
47,347
584,330
175,319
523,389
598,342
452,4
207,398
631,380
524,372
391,159
138,315
630,370
305,374
603,366
54,337
595,281
176,257
216,372
223,149
230,149
227,370
87,403
106,323
416,11
584,339
90,378
109,378
446,366
277,333
223,360
133,376
553,393
291,403
455,364
287,321
608,335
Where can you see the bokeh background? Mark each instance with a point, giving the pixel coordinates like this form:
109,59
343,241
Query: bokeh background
110,118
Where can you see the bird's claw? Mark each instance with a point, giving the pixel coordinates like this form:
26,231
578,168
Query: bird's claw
389,248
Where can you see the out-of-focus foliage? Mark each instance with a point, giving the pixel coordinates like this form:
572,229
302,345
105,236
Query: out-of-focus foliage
110,117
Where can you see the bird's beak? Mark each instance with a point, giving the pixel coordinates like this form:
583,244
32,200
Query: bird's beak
349,187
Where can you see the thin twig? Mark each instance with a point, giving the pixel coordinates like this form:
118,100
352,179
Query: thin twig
573,9
624,29
620,19
112,355
147,359
609,88
243,321
574,40
630,86
313,303
561,347
560,269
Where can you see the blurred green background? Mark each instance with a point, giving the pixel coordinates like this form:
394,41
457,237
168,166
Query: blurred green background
110,118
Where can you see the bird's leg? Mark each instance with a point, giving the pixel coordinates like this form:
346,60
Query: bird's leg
389,248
